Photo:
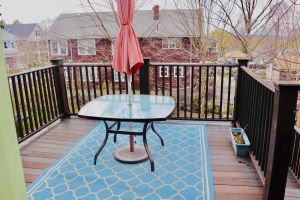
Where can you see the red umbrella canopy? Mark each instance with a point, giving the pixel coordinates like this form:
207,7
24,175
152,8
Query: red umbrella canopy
127,56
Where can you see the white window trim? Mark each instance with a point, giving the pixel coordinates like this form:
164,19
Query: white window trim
59,47
166,68
168,41
9,45
87,52
181,72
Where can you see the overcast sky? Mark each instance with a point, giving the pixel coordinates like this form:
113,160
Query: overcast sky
31,11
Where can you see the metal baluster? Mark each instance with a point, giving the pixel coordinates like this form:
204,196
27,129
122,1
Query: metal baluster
71,90
214,93
82,85
76,88
41,97
94,82
16,98
88,82
221,94
206,92
28,106
23,104
192,92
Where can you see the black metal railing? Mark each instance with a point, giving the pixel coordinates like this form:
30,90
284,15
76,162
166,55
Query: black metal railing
295,159
254,110
87,81
34,100
202,92
266,111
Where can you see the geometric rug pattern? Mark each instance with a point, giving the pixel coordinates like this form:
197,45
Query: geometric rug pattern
182,168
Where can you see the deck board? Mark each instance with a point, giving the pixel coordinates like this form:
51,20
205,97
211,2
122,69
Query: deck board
234,177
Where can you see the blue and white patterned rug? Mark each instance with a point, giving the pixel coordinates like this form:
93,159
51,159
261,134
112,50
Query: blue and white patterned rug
182,168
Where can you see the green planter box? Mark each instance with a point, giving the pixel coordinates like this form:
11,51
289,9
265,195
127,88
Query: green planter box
240,149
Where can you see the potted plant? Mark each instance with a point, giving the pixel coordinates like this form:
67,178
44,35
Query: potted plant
239,141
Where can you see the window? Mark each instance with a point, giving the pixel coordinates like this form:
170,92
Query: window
12,44
8,45
171,43
59,47
181,73
116,77
86,47
164,70
5,44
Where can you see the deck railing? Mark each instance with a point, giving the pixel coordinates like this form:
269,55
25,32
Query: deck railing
202,92
295,159
254,110
267,113
35,100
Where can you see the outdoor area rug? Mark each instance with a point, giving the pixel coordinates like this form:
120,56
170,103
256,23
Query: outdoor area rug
182,168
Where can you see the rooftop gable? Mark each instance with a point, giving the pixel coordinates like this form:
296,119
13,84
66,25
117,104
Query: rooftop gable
22,31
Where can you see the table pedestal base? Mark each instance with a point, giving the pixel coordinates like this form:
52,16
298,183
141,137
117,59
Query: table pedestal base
124,155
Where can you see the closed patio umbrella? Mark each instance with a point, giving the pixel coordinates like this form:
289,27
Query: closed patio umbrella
127,55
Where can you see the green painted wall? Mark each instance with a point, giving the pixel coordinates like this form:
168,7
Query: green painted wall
12,184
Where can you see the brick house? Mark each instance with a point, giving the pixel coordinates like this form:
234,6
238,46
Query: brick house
82,38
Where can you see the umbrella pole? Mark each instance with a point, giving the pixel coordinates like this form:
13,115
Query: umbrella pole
131,137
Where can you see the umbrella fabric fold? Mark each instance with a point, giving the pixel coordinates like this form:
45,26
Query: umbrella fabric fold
127,55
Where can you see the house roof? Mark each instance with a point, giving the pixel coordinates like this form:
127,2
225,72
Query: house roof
7,36
22,31
87,25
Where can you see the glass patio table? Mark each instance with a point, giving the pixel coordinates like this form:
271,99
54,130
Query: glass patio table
144,109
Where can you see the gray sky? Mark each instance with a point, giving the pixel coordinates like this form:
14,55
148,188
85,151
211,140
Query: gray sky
31,11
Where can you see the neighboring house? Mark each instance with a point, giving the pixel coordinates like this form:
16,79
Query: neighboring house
80,37
30,50
9,48
284,68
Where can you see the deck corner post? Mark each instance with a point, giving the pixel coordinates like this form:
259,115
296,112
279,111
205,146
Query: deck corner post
241,62
61,89
279,151
144,77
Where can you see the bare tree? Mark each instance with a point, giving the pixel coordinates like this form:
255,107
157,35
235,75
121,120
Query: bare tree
248,18
195,19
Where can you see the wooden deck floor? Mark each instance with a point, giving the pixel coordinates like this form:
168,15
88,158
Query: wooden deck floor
234,177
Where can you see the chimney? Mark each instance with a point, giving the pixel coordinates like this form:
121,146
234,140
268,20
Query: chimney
156,12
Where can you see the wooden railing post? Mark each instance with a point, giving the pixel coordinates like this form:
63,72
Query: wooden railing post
59,79
144,77
279,152
242,62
